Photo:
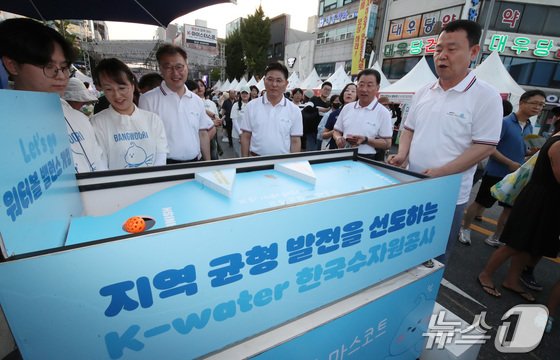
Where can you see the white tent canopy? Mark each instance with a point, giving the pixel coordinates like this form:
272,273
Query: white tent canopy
233,84
293,81
312,81
217,85
242,83
402,90
260,84
225,86
339,79
252,81
493,71
384,82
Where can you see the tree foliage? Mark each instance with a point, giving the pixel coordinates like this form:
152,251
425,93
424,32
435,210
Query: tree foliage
215,75
255,36
235,62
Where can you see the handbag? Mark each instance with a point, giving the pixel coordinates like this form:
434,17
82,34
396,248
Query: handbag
507,189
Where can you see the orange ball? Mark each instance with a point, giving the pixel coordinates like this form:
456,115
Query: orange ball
135,225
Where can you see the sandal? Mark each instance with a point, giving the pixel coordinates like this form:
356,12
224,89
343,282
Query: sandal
490,290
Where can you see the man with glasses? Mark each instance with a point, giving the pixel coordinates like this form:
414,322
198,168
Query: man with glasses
272,124
507,157
365,123
182,112
38,58
453,123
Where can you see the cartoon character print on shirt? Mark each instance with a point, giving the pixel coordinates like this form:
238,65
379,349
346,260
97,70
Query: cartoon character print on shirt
136,156
78,150
408,341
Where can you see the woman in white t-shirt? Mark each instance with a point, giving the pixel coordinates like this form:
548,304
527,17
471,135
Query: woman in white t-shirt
130,137
237,111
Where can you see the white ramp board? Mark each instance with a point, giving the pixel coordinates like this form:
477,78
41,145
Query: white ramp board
218,180
299,169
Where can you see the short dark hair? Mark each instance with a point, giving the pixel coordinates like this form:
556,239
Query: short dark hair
473,30
27,41
170,49
529,94
343,90
507,107
297,90
277,66
326,83
253,87
333,98
367,72
150,80
191,85
114,69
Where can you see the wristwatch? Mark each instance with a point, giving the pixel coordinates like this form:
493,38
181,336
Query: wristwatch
365,140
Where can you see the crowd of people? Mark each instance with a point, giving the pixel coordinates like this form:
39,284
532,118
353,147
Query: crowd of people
452,125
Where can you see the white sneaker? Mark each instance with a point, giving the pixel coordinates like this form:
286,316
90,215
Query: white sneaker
464,236
493,241
225,139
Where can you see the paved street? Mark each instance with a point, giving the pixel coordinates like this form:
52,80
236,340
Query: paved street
465,264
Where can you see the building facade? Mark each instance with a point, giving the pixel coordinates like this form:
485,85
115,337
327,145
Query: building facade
524,33
336,26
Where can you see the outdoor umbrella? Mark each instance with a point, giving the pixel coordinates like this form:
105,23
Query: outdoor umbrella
152,12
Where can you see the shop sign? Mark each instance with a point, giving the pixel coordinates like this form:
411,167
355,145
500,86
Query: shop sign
499,42
335,18
423,24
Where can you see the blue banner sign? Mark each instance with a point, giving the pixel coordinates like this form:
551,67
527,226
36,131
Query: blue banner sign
190,291
38,186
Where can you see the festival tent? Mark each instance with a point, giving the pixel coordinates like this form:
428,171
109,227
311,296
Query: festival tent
260,84
339,79
243,82
312,81
384,82
402,90
217,85
252,81
225,86
493,71
233,84
293,81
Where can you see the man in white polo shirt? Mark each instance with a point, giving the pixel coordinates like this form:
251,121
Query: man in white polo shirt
272,124
365,123
454,123
182,112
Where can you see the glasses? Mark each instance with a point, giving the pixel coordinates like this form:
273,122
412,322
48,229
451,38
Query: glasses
535,103
51,71
171,68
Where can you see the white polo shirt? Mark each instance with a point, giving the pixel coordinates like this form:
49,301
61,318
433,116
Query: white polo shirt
130,141
271,127
373,121
182,116
446,123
